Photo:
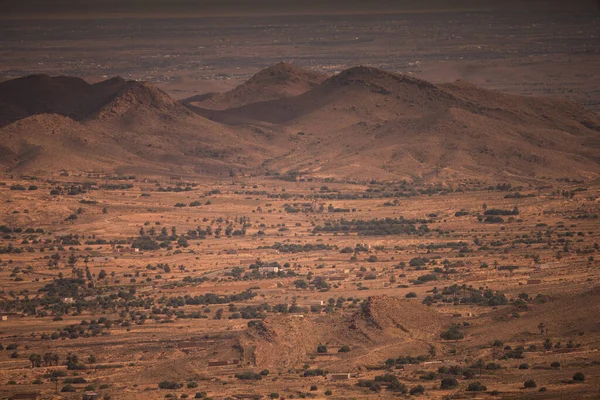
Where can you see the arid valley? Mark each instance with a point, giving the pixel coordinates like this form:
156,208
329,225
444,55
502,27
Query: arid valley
327,205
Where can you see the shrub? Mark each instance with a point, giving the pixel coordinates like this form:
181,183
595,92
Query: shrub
67,388
410,295
344,349
476,387
453,333
555,364
248,376
328,392
321,348
530,383
579,377
274,395
314,372
192,385
77,379
449,383
524,366
169,385
493,366
200,395
419,389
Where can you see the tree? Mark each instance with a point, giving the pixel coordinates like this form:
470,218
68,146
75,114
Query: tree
102,274
321,348
36,360
300,284
541,327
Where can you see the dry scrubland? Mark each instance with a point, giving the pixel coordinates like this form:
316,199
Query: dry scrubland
406,286
269,264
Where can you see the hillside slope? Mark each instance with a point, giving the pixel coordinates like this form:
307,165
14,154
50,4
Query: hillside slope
66,123
382,327
366,122
362,123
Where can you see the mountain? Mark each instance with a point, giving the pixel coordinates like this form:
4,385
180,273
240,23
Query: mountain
362,123
65,123
276,82
366,122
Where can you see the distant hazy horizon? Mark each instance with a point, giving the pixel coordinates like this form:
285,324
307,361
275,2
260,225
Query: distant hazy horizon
57,8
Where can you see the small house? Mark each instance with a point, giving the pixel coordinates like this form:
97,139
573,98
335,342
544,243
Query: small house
268,270
217,363
340,377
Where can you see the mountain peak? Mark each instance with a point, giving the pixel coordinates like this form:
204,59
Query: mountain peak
283,73
136,94
376,79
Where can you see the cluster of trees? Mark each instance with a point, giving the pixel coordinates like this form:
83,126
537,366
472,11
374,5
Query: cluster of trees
390,381
299,248
376,227
209,298
470,295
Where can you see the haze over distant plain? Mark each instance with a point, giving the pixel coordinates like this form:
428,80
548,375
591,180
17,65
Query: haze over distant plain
58,8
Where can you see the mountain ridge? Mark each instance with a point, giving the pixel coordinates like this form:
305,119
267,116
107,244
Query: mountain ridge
360,123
